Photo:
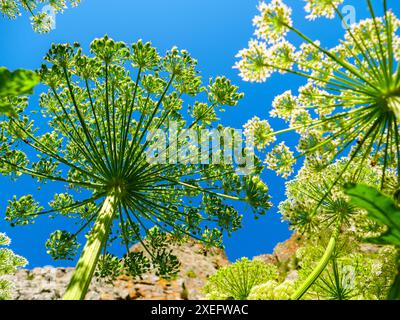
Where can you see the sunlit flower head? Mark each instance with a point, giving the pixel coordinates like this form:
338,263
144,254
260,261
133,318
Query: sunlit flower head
281,160
261,131
284,105
314,187
273,21
321,8
282,53
251,66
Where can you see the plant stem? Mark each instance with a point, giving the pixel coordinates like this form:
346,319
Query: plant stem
394,105
319,268
86,266
394,293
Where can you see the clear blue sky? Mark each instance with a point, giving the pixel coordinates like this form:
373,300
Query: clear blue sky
213,31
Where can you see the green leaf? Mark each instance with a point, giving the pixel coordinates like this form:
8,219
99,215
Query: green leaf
394,293
381,208
17,83
6,108
14,84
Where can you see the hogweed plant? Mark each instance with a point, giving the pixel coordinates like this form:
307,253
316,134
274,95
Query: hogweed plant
9,263
350,105
344,268
104,111
42,20
341,266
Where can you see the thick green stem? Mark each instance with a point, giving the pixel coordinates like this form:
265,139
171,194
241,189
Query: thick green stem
318,269
86,266
394,105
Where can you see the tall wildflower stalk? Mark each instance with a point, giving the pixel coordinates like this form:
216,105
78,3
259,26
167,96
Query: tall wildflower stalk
349,105
102,112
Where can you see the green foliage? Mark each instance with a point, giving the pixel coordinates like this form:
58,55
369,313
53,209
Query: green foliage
136,264
17,83
9,263
381,208
236,281
62,245
202,113
222,92
163,260
318,208
41,21
354,272
158,259
255,193
108,267
14,84
384,210
22,211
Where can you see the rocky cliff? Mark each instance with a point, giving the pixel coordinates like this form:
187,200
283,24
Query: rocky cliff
197,264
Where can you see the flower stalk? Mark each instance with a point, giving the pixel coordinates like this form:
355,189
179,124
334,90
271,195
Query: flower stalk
330,249
86,266
394,106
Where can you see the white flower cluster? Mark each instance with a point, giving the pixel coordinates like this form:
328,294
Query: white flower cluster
274,21
321,8
284,105
272,290
281,160
348,89
261,131
9,262
252,65
310,188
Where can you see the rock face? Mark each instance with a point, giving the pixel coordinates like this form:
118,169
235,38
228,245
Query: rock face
197,264
284,257
283,252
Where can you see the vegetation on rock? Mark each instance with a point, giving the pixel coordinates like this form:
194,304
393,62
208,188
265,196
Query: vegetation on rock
9,262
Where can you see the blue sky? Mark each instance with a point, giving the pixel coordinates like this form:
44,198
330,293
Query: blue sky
213,31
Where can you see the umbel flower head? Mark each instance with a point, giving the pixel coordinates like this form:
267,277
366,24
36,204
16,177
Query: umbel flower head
351,100
103,111
41,21
237,280
309,188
